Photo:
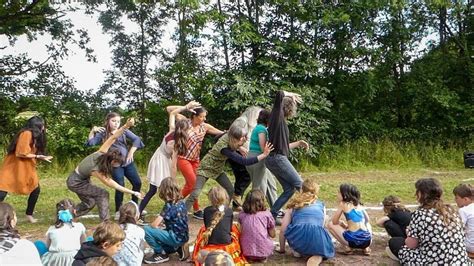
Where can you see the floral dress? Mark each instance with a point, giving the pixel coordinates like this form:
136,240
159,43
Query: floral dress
437,243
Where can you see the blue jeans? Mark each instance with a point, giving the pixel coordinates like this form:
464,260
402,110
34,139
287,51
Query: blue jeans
131,173
286,174
161,240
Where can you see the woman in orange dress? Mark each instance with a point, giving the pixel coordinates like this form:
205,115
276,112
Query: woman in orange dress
18,172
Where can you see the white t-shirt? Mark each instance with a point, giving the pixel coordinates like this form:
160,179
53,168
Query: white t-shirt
66,238
23,253
131,253
467,217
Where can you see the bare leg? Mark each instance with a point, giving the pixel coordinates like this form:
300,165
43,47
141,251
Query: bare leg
337,230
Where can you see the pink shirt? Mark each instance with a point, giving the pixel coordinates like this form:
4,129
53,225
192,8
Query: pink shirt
254,240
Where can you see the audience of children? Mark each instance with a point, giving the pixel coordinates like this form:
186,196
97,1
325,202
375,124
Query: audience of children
107,241
218,232
131,253
64,238
434,235
257,228
396,218
13,249
303,225
464,197
175,216
357,232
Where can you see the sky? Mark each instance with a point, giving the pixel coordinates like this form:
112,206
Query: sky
88,75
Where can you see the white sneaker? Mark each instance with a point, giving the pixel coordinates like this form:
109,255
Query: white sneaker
390,254
117,216
144,212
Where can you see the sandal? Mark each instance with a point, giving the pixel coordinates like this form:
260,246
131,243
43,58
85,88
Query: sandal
348,251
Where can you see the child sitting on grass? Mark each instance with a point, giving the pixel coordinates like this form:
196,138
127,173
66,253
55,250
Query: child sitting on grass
396,218
303,226
464,197
257,226
64,238
175,216
218,232
357,233
13,249
131,253
108,238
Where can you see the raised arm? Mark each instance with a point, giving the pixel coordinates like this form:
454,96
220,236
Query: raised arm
105,147
175,110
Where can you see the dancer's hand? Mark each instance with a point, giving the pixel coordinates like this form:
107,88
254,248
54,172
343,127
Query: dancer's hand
267,149
192,105
129,158
44,158
138,194
98,129
294,96
243,151
130,122
303,144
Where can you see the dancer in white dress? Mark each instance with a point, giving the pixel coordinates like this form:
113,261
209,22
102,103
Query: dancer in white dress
163,162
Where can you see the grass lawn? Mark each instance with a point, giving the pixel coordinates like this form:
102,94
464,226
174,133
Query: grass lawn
373,184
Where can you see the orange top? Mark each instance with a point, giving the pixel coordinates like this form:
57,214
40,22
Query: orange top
18,175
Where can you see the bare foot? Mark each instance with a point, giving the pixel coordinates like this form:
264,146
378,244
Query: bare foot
31,219
314,260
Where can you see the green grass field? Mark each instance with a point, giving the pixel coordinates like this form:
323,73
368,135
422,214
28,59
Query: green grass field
373,184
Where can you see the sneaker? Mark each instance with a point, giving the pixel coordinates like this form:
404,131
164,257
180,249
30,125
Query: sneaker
157,258
280,214
141,222
183,252
390,254
144,212
199,215
117,216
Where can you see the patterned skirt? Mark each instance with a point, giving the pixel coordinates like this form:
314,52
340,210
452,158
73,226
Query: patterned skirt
233,248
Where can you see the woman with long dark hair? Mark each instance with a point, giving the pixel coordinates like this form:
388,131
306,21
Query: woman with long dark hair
189,160
99,164
18,172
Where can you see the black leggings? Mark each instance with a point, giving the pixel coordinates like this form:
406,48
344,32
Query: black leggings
242,178
394,229
32,199
151,192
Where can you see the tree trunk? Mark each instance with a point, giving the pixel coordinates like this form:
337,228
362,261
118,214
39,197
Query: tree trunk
224,36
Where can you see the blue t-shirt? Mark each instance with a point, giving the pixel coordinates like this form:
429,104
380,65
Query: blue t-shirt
254,141
175,217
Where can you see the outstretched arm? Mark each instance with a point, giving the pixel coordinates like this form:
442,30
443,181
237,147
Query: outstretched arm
105,147
112,184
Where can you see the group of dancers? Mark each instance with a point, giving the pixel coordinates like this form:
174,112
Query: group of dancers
256,145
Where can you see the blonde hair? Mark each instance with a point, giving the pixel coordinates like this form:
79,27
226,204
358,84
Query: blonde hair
169,190
108,232
218,198
309,193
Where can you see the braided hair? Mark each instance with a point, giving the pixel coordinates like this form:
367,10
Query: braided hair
219,199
